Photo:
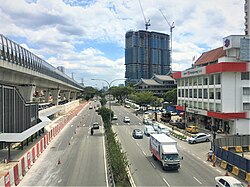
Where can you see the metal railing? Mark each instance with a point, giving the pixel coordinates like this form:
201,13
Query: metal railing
16,54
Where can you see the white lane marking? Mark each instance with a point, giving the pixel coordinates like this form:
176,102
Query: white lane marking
193,154
144,153
131,178
137,144
104,157
198,158
205,161
197,180
71,125
166,182
218,170
152,164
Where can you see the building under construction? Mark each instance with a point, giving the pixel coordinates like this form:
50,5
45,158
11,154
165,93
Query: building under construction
146,53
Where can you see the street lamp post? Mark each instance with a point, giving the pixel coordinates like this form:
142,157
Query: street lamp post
109,85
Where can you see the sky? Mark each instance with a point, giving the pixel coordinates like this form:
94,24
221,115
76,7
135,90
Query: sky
87,37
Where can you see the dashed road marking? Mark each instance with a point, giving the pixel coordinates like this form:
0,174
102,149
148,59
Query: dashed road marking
144,153
152,164
166,182
218,170
197,180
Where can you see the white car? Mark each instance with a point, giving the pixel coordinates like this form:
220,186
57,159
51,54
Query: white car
173,113
149,130
126,119
200,137
114,117
227,181
162,129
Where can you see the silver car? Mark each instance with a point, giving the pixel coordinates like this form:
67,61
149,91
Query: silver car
200,137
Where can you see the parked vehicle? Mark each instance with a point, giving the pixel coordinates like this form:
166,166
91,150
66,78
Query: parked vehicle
192,129
180,125
173,113
163,129
166,117
95,125
137,133
90,107
200,137
114,117
126,119
164,149
149,130
227,181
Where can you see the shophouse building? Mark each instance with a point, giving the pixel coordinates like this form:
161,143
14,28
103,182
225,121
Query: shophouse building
215,92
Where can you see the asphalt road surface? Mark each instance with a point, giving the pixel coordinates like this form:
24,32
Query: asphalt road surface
74,157
194,171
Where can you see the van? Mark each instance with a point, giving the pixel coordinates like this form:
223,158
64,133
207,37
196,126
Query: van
162,129
149,130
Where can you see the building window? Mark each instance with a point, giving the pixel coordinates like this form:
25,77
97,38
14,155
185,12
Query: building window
211,106
246,90
205,81
205,106
195,81
218,107
186,82
205,95
195,93
190,80
211,79
246,106
186,92
211,93
190,93
182,93
217,79
200,93
200,80
217,93
245,76
195,104
199,105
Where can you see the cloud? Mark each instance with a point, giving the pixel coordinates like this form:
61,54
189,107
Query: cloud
63,31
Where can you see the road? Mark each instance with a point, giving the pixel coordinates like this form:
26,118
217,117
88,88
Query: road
194,171
73,158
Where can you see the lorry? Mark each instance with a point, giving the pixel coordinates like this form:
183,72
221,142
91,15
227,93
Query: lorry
164,149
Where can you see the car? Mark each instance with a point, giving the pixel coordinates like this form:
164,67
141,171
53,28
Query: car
149,130
90,107
192,129
162,129
200,137
114,117
227,181
180,125
95,125
137,133
126,119
172,113
127,106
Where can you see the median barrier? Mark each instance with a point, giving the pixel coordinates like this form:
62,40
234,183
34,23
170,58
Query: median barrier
247,177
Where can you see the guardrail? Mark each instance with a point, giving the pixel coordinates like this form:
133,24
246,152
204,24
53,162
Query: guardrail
16,54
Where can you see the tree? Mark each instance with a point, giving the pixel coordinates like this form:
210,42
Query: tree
171,96
89,92
121,93
143,98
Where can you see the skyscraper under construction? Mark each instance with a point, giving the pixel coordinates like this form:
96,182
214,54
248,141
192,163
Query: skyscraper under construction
146,53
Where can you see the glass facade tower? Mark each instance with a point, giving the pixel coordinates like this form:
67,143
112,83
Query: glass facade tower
146,54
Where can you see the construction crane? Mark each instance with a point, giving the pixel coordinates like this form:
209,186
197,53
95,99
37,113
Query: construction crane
171,35
147,24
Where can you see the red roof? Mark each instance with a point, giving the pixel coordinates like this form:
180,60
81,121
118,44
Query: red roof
210,56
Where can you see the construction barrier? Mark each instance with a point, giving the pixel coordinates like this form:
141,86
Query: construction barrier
223,164
16,175
238,149
248,177
235,170
7,179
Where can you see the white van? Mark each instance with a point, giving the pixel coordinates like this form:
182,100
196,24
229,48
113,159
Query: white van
162,129
149,130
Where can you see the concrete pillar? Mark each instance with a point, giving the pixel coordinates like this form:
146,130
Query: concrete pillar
27,91
73,95
67,95
55,94
46,95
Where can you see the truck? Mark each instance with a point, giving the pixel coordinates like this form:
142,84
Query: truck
164,149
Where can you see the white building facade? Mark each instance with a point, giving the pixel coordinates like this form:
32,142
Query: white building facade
215,93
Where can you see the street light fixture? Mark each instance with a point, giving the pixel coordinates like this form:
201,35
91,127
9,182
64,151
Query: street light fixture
109,85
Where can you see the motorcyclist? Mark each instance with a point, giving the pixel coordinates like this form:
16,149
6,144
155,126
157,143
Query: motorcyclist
92,131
